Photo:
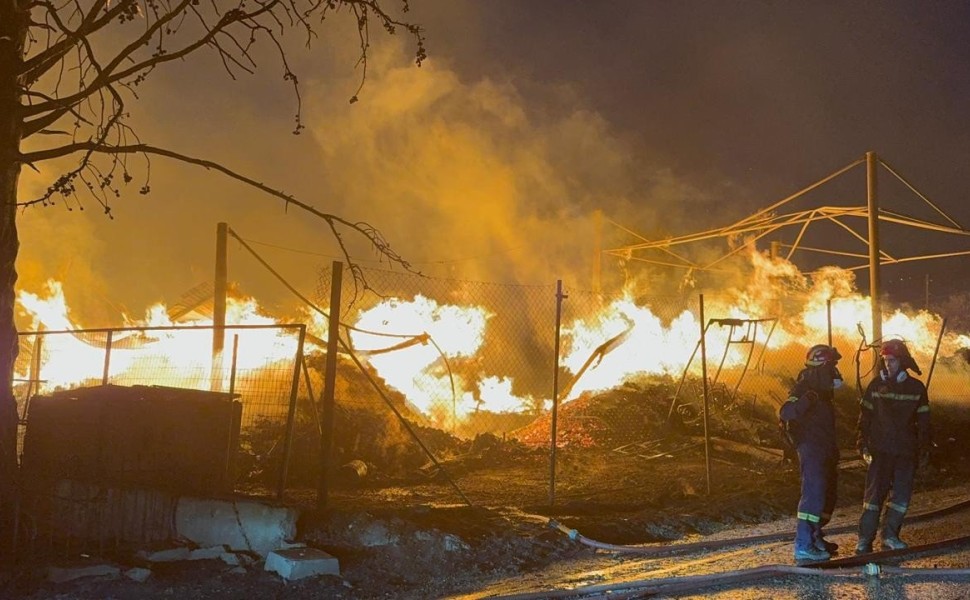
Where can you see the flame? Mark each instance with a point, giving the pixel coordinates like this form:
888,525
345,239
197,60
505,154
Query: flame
432,353
424,372
139,357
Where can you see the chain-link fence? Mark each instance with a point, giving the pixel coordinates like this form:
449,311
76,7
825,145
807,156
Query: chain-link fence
444,390
470,360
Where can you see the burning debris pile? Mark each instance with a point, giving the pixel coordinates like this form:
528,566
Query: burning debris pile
635,413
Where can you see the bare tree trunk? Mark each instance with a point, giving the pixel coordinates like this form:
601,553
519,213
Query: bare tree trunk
12,36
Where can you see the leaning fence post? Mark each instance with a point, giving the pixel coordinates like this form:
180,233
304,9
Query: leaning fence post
555,396
291,415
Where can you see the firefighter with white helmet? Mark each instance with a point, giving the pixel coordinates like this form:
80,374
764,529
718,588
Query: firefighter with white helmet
809,417
894,438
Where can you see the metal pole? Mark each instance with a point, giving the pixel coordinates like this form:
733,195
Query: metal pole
329,382
235,360
707,437
828,317
220,286
555,396
232,439
873,210
291,415
107,360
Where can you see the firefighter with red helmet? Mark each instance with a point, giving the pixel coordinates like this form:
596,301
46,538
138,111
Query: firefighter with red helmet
809,417
894,438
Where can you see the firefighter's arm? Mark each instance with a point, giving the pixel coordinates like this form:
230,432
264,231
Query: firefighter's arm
797,406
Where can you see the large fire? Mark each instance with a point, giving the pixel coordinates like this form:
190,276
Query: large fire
764,327
149,347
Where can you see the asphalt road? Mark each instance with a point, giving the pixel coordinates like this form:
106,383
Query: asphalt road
619,575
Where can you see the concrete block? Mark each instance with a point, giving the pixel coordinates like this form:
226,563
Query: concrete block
297,563
241,525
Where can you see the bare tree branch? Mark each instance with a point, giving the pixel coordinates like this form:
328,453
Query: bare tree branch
334,222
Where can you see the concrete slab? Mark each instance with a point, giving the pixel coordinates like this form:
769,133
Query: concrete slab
242,525
297,563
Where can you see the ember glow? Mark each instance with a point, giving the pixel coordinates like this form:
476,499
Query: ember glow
431,352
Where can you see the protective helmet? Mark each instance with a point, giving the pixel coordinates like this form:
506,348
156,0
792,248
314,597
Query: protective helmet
898,349
821,354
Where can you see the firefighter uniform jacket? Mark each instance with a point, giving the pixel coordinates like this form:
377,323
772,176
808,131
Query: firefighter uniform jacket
810,416
894,416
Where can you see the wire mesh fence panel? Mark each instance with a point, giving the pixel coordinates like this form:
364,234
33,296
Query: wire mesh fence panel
461,362
257,365
631,373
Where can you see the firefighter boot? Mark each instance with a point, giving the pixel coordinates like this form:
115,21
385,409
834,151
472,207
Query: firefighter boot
805,550
890,530
823,544
868,524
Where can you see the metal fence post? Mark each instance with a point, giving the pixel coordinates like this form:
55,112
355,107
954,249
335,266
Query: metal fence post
291,416
107,360
555,396
707,437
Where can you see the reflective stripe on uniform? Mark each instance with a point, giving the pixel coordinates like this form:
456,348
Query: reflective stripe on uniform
809,517
924,408
901,508
893,396
870,506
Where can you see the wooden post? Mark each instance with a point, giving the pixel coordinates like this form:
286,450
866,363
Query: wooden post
329,381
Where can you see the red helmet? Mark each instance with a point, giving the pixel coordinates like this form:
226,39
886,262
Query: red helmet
821,354
898,349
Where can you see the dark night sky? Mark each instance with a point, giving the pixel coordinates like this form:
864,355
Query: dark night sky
752,101
485,163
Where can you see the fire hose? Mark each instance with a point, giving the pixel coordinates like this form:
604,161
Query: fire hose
672,549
